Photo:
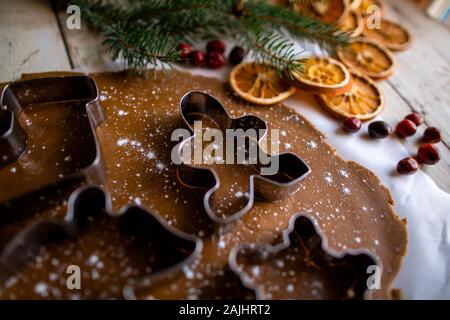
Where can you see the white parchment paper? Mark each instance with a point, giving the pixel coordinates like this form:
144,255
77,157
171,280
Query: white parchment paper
425,273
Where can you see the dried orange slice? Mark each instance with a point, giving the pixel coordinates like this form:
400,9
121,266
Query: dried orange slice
366,7
353,24
259,84
354,4
365,101
392,35
322,76
368,57
329,11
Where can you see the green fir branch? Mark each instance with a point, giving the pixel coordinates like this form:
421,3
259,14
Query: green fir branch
145,32
140,46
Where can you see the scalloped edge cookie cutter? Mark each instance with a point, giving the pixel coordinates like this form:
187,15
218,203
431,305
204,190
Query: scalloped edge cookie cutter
204,177
286,242
80,205
20,94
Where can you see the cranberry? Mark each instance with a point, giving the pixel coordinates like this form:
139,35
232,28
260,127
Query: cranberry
432,135
197,58
407,166
215,46
351,125
406,128
236,55
215,59
416,118
185,50
379,130
428,154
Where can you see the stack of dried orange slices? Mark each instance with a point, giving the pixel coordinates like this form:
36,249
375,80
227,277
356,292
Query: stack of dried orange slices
364,101
373,36
370,50
345,88
354,17
340,92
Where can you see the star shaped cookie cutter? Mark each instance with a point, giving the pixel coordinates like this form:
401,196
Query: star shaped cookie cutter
292,169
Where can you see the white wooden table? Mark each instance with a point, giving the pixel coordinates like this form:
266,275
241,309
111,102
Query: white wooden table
34,38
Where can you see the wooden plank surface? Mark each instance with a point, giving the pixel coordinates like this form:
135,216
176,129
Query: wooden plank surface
84,47
422,76
421,82
30,39
396,109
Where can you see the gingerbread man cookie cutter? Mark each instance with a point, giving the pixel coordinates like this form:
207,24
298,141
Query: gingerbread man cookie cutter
292,169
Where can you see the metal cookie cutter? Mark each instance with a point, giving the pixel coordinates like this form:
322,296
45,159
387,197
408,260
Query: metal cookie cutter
292,169
48,97
304,252
124,250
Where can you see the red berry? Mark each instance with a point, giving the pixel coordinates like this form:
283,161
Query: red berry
236,55
406,128
379,130
197,58
416,118
185,50
215,46
215,59
428,154
432,135
407,166
351,125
